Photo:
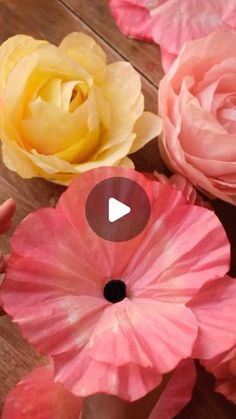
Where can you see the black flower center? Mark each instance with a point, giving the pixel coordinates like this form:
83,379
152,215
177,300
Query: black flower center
115,290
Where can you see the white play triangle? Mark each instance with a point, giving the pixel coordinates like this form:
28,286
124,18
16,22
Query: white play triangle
117,210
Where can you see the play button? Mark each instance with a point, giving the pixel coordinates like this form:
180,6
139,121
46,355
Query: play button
117,209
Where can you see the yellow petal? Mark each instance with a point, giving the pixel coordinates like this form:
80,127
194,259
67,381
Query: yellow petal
84,50
122,87
17,161
147,127
50,129
103,108
126,162
12,50
83,149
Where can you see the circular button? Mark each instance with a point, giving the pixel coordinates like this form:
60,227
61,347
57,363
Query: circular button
118,209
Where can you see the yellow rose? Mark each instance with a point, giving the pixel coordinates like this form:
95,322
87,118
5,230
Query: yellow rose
64,110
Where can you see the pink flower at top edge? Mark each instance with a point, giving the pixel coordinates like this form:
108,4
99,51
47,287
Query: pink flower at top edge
54,288
172,23
37,396
223,367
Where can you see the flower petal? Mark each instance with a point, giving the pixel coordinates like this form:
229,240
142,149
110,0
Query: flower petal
147,127
180,253
37,396
214,308
84,50
177,393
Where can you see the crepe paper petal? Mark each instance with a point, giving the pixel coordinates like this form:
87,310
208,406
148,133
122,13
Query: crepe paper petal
7,210
146,129
87,53
171,23
82,374
214,308
182,184
133,19
191,104
59,267
64,110
12,50
177,393
224,369
37,396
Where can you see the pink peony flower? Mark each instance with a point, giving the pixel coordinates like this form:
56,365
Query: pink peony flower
224,369
116,310
172,23
37,396
197,101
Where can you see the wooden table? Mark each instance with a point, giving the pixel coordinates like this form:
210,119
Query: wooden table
52,20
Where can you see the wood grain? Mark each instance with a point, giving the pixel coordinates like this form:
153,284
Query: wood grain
17,357
52,20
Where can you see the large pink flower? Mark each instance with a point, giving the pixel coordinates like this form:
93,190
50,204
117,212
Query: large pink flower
224,369
37,396
197,101
172,23
58,277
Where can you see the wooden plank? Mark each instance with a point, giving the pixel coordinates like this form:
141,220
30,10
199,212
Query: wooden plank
17,357
144,56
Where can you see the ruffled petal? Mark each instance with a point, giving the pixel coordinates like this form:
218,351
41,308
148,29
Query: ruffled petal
130,324
82,374
181,252
177,393
214,308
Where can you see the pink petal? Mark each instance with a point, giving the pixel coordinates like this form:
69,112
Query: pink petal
7,210
82,374
162,198
177,393
169,266
130,324
167,59
134,20
37,396
214,308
